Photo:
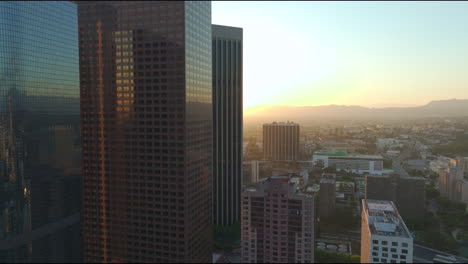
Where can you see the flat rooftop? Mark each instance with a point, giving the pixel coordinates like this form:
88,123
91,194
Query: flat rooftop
281,124
384,219
343,155
336,154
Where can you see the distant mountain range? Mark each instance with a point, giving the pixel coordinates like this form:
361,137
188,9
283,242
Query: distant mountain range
268,113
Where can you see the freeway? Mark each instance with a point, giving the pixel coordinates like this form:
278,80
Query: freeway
424,254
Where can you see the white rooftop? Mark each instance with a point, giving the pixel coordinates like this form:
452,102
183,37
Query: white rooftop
384,219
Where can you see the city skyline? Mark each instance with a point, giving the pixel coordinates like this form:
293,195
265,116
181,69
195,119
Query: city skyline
355,53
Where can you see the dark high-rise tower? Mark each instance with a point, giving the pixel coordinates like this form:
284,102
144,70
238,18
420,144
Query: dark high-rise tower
281,141
146,109
39,132
227,123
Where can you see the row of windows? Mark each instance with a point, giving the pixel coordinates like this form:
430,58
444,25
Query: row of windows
395,244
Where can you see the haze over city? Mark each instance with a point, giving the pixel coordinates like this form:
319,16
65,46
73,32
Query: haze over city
373,54
233,132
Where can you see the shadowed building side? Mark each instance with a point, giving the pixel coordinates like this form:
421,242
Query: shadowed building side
227,123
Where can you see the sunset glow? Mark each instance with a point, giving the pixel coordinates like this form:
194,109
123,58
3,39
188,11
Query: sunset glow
356,53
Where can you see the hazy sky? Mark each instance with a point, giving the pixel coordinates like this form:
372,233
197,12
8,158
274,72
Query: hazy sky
354,53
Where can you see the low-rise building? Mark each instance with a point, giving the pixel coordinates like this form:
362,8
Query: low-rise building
341,161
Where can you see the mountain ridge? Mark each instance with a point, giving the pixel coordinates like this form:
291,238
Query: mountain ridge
436,108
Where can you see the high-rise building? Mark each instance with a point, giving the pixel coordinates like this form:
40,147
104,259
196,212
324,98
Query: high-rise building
452,182
146,109
39,132
327,199
384,235
278,220
408,193
281,141
227,123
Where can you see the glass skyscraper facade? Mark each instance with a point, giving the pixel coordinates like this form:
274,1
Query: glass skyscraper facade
145,77
227,123
39,132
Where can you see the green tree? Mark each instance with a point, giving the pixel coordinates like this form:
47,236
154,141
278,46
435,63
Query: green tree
437,240
322,256
431,192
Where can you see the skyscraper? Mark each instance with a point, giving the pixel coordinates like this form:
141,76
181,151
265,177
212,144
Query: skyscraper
227,123
384,235
39,132
146,89
278,222
280,141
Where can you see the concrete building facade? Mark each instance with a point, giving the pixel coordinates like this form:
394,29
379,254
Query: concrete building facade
384,235
278,222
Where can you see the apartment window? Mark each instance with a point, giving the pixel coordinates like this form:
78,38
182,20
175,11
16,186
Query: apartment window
385,249
404,244
383,260
393,250
385,255
375,241
384,242
394,256
395,244
402,256
376,248
375,259
404,251
375,254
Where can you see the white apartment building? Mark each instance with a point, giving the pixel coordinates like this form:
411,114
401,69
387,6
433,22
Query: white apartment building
361,164
384,236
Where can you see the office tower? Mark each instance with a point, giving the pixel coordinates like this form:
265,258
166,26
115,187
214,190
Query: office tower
341,161
146,89
327,199
384,235
280,141
408,193
452,181
278,219
227,123
39,132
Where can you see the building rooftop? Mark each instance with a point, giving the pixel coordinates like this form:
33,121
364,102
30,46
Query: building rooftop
384,219
281,124
338,153
345,155
329,181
